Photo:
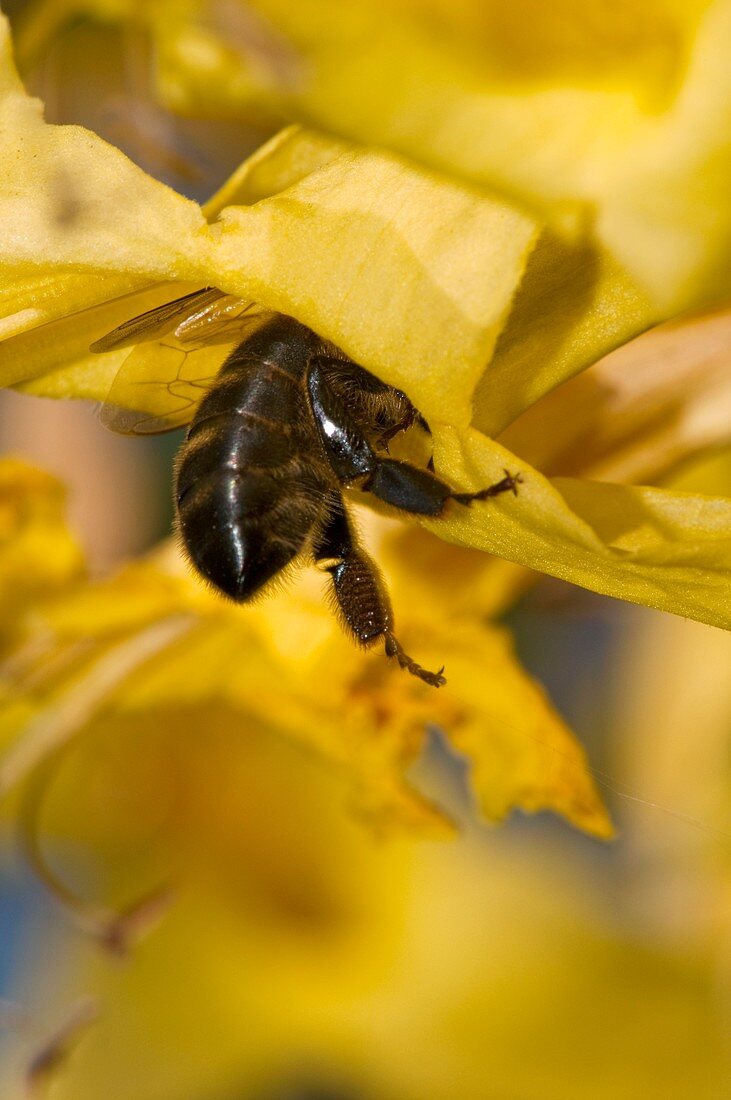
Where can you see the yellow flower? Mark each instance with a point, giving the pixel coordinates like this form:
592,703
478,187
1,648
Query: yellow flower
609,120
440,289
153,641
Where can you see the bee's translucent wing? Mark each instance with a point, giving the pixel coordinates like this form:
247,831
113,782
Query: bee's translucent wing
179,348
159,386
158,321
220,322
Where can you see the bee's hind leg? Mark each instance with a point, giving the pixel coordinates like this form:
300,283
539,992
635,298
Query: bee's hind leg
359,593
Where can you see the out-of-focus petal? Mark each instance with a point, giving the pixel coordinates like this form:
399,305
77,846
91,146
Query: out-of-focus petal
609,120
639,412
74,207
152,640
38,555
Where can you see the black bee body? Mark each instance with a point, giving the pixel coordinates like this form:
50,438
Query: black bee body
252,480
287,423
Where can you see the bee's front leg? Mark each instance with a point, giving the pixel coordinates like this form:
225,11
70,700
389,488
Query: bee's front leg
421,492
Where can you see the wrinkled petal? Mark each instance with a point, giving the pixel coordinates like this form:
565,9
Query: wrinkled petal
153,641
354,244
416,278
664,549
639,412
71,205
610,120
574,304
411,275
578,300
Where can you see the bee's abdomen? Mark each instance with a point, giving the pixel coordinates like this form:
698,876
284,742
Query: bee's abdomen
247,499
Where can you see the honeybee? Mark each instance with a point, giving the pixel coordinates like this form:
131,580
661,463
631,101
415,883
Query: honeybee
287,422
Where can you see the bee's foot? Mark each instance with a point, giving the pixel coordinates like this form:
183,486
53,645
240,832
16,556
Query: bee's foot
394,649
509,484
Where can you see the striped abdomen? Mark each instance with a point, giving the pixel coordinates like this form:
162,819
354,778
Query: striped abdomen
250,486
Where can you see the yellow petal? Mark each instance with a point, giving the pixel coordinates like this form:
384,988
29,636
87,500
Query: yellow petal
154,641
38,555
663,549
609,119
410,274
573,305
74,207
414,276
331,250
577,301
522,755
640,412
